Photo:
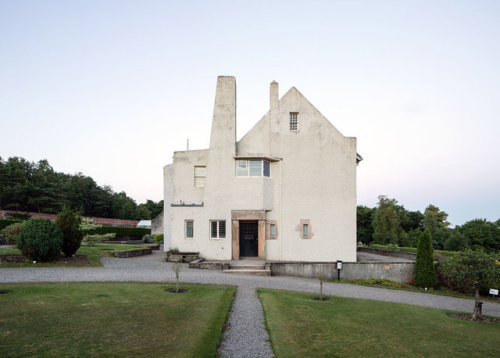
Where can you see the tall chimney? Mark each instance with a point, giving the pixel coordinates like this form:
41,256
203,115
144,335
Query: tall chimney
274,97
223,134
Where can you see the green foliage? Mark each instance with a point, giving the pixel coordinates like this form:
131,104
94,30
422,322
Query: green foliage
9,234
40,240
436,221
30,186
69,224
456,242
481,233
159,238
6,222
425,272
149,239
119,231
364,218
470,270
19,216
386,221
92,240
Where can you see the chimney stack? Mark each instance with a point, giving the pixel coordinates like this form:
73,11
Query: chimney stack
274,97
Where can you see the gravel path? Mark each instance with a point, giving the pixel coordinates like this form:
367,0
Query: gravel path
152,268
246,335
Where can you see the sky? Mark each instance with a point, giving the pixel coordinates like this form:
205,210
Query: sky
112,88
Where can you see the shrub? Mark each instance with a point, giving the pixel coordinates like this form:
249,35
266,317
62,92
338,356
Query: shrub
159,238
148,238
120,231
8,235
6,222
40,240
91,240
425,272
469,271
69,224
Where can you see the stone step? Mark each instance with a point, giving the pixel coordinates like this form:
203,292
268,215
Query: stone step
255,272
246,267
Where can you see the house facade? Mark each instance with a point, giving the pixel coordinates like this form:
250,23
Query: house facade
285,192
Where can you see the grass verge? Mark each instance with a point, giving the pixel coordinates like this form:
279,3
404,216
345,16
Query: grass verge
112,319
93,254
410,249
346,327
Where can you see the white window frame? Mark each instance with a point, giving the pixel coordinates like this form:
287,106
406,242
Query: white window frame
200,173
191,221
294,121
244,171
218,229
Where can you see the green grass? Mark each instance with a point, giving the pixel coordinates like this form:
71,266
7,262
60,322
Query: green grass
93,253
410,249
403,286
112,319
345,327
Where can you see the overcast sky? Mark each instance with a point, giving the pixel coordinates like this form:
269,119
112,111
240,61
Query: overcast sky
112,88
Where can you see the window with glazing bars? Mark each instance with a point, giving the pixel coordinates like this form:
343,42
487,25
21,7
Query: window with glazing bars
189,229
218,229
294,121
199,176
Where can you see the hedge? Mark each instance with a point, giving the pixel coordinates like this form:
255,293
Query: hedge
6,222
120,231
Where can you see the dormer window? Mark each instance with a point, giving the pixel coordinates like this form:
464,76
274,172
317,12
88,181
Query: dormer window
294,121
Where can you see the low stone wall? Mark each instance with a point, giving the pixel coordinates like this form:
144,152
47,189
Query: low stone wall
394,271
403,255
132,253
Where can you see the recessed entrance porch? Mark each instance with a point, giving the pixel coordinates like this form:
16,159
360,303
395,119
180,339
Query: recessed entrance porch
249,231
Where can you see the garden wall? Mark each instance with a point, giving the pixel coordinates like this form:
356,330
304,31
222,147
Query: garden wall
394,271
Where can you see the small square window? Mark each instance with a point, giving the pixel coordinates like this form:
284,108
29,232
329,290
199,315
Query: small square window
189,229
294,121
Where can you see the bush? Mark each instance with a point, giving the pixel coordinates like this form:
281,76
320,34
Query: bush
6,222
40,240
149,239
159,238
8,235
69,224
425,272
120,231
91,240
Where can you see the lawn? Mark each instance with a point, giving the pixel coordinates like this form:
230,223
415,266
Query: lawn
112,319
93,254
411,249
345,327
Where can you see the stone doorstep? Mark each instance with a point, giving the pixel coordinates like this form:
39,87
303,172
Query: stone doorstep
255,272
246,267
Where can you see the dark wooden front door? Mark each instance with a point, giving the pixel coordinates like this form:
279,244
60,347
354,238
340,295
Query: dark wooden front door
248,239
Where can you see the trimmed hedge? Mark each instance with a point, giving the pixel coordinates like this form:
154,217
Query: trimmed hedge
120,231
6,222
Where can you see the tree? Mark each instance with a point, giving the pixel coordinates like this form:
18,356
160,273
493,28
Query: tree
456,242
386,221
481,233
425,272
364,218
69,224
470,271
436,221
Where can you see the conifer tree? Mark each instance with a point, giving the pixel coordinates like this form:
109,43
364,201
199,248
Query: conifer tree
425,272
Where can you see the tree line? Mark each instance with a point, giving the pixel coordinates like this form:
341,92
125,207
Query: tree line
390,223
37,187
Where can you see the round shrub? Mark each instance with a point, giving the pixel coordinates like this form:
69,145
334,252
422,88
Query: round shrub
8,235
69,224
148,239
40,240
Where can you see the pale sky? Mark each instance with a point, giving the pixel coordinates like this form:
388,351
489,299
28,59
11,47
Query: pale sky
112,88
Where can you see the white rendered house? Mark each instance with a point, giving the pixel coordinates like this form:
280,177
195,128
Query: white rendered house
285,192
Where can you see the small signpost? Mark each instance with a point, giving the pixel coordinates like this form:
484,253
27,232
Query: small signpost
339,267
493,292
